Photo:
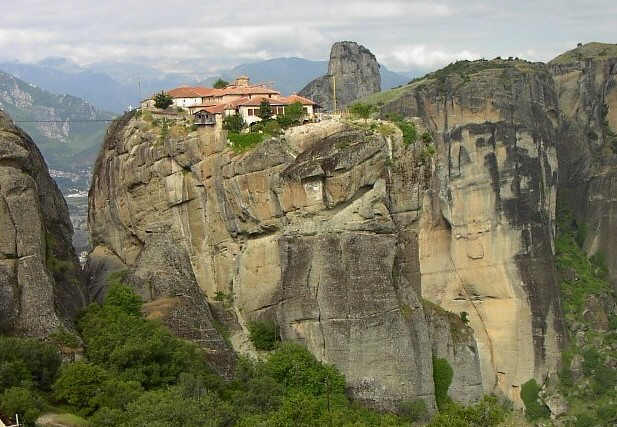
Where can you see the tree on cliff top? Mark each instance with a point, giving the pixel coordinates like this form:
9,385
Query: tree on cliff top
220,84
265,110
162,100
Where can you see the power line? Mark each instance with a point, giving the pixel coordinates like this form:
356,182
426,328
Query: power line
62,121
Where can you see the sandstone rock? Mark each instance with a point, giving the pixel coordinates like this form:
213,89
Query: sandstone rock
586,82
356,72
487,225
40,281
299,230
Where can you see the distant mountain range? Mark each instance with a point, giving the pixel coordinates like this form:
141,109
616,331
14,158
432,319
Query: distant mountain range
67,129
113,86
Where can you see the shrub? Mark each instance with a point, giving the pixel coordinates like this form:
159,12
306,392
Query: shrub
243,141
135,348
272,127
263,334
25,402
220,84
427,138
294,113
585,420
234,123
78,385
410,134
534,409
442,377
415,410
124,298
162,100
295,367
27,360
116,394
486,413
265,110
362,111
107,417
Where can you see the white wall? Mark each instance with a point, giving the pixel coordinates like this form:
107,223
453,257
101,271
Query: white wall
186,102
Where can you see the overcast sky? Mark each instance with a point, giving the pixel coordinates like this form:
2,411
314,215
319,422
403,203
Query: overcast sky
404,35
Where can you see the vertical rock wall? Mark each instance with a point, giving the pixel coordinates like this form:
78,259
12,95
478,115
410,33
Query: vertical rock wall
316,230
355,72
487,226
40,283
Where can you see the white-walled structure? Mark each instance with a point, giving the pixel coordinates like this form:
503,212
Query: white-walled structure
238,98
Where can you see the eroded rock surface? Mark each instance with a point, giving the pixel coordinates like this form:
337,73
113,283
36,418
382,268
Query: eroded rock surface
317,230
586,81
487,227
40,284
355,72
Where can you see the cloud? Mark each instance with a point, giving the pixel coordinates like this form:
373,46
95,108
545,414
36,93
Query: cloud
404,34
424,57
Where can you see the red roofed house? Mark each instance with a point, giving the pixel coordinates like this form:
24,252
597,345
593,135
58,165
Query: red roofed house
208,104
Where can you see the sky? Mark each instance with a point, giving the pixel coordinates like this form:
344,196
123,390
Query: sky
206,35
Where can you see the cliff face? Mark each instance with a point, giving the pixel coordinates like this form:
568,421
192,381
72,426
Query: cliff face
40,285
316,230
354,70
487,228
586,81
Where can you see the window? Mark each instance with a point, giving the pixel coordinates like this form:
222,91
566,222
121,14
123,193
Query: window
251,112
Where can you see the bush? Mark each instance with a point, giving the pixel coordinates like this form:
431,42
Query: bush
362,111
265,110
234,123
486,413
427,138
534,409
220,84
295,367
410,134
124,298
78,385
162,100
294,113
135,348
27,360
116,394
263,334
272,127
106,417
243,141
25,402
169,408
585,420
442,377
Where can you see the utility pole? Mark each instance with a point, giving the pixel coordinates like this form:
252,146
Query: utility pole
334,91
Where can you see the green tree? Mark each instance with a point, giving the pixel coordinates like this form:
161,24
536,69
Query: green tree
234,123
265,110
27,360
162,100
293,114
362,111
442,377
295,367
78,385
220,84
534,409
23,401
123,297
263,334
